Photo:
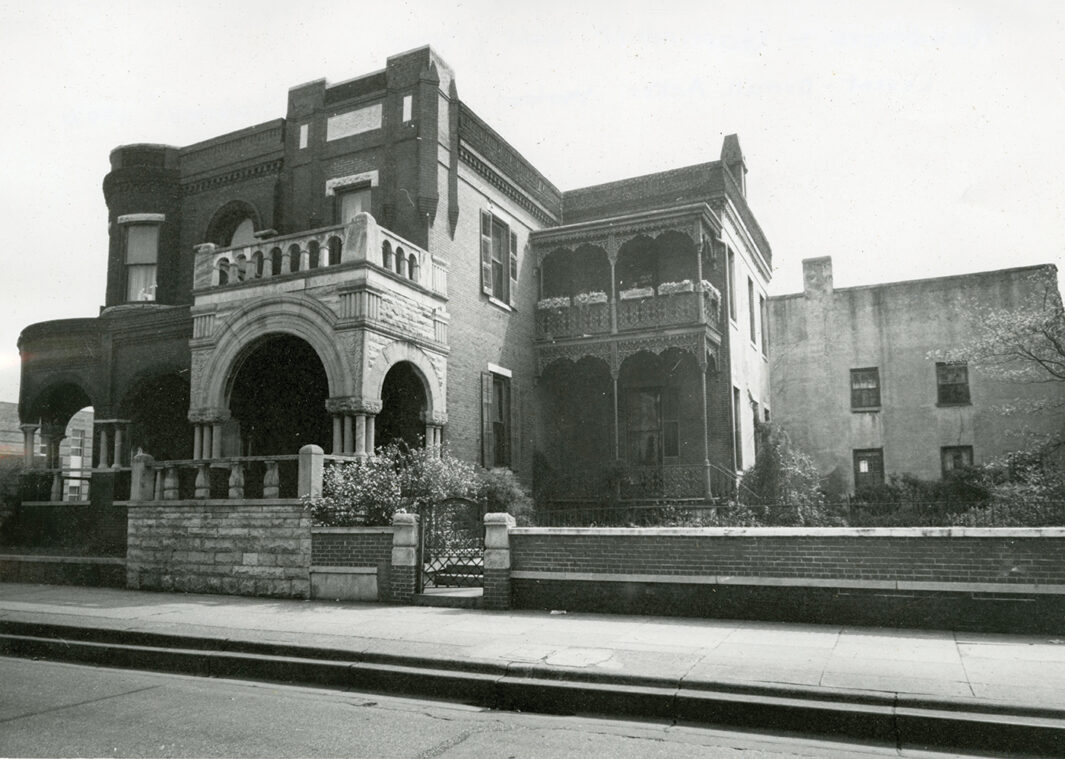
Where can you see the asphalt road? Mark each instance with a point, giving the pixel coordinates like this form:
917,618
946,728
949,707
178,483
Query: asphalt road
60,710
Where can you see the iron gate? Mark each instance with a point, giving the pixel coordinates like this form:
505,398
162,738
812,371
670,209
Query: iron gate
451,545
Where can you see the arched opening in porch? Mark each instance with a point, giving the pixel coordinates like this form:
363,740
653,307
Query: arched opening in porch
277,398
157,412
58,435
404,401
649,263
568,273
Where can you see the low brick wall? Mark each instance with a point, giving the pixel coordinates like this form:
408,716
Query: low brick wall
217,546
968,578
351,563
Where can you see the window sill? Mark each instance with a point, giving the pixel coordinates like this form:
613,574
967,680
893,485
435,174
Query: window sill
954,405
866,410
500,304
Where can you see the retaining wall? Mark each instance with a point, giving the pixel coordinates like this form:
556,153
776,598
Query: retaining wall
965,578
351,563
220,546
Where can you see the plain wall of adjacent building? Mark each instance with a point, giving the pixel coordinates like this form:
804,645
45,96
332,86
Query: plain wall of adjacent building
821,334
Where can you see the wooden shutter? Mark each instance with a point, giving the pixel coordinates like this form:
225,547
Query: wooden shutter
487,435
486,253
515,426
513,268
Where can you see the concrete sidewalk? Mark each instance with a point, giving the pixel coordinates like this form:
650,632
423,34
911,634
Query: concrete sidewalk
856,674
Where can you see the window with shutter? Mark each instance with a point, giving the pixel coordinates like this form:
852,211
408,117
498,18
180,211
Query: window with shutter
499,259
497,428
486,253
487,430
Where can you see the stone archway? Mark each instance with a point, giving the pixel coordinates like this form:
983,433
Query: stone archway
404,401
277,393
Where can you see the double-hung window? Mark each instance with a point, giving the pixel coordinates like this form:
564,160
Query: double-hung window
952,384
955,457
652,427
499,259
500,424
868,467
865,388
142,257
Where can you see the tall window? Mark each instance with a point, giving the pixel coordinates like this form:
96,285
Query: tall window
499,259
142,254
952,384
752,315
499,426
868,467
865,388
955,457
351,201
765,324
731,284
652,427
77,442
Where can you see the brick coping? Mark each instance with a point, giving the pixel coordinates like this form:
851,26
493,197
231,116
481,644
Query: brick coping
30,557
796,532
351,530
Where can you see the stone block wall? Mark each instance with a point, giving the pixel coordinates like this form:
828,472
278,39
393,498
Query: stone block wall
258,548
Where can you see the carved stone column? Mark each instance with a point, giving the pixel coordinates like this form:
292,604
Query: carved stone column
29,443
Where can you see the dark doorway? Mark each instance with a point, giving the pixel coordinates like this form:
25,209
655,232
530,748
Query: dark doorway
158,410
403,405
278,396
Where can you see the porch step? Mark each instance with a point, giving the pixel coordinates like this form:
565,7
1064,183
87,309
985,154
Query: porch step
451,598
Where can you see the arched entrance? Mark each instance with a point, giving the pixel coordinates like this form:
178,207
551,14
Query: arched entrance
403,405
277,398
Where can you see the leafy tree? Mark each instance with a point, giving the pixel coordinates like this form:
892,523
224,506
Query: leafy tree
1025,344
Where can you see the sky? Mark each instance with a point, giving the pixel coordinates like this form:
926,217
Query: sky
904,139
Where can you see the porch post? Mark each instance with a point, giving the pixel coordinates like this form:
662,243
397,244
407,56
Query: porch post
360,434
197,442
617,429
29,431
338,435
706,430
118,446
370,434
349,436
216,441
208,442
105,446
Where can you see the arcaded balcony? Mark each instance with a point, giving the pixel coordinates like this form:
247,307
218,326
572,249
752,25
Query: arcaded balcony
315,252
675,304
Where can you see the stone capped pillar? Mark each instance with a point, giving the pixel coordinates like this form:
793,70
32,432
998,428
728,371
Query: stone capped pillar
497,560
404,574
353,424
29,443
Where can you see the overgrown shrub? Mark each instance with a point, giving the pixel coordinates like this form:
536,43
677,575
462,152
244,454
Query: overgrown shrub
784,486
370,491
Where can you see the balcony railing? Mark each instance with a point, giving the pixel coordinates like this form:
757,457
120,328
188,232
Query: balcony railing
555,318
305,253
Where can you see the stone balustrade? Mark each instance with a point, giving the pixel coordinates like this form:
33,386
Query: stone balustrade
304,253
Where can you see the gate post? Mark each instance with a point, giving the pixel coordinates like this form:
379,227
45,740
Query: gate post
497,560
404,556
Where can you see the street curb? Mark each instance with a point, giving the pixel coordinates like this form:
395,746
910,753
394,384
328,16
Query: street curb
906,722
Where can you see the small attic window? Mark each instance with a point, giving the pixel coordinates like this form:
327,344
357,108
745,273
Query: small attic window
408,107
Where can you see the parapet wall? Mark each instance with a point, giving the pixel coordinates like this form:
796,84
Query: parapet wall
258,548
966,578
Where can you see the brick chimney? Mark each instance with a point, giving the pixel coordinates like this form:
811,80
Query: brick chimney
817,276
732,157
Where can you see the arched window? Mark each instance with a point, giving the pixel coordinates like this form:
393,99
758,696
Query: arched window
386,254
223,271
293,257
412,267
335,248
401,261
313,249
275,261
242,267
257,264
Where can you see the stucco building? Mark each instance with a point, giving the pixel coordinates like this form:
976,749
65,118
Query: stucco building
862,381
381,265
